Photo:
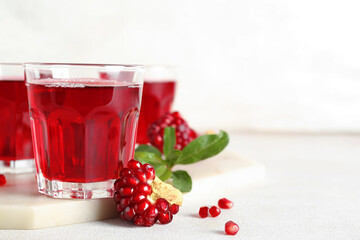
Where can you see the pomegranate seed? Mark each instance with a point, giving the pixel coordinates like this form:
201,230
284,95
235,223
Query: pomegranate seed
125,172
176,115
139,220
149,171
119,183
181,128
149,221
152,212
124,202
174,209
142,221
158,141
165,218
231,228
117,197
142,206
214,211
225,203
133,164
179,121
121,215
126,191
162,205
204,212
138,197
131,180
141,175
144,188
192,134
119,208
129,213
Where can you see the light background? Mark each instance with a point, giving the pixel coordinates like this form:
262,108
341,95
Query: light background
253,65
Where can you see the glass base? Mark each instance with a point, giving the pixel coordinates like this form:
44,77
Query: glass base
72,190
17,166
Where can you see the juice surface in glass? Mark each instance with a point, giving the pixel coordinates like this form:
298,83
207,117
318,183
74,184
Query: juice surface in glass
158,97
15,133
84,131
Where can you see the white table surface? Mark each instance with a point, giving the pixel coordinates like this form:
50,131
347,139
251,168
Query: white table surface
312,191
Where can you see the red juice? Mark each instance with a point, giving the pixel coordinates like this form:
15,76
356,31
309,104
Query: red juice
15,132
83,131
157,99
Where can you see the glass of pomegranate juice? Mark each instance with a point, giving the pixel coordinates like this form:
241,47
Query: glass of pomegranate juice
158,96
83,126
16,151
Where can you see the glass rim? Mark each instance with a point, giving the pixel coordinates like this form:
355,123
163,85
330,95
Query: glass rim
84,65
10,64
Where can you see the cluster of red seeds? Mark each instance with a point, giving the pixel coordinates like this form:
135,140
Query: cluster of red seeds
231,228
132,190
184,134
214,211
2,180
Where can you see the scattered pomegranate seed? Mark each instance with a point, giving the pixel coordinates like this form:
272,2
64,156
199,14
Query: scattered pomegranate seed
2,180
225,203
184,134
204,212
132,196
231,228
214,211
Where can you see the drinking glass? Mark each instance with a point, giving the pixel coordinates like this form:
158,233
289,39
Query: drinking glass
158,96
16,151
84,126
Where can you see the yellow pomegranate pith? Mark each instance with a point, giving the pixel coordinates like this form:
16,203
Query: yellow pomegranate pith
166,191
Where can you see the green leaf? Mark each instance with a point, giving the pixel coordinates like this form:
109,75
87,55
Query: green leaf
204,147
163,172
182,180
169,140
150,158
148,148
173,157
